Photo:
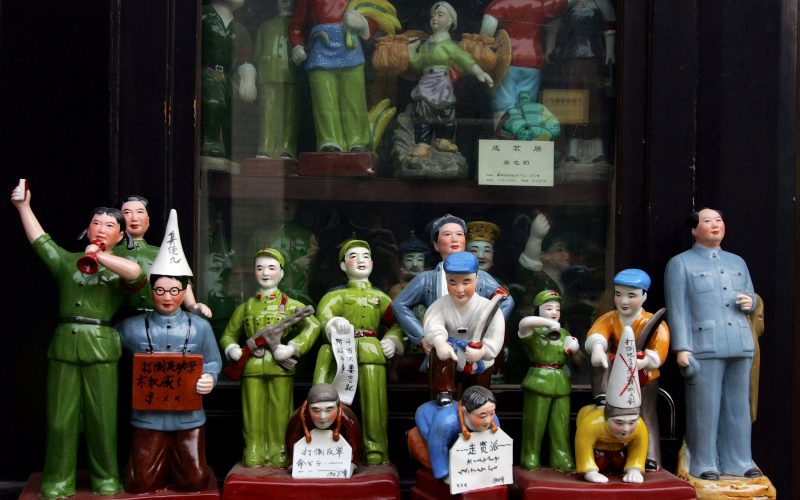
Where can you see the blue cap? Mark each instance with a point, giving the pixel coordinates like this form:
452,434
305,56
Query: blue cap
461,263
634,278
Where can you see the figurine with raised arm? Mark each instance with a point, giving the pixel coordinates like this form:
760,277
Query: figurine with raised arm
82,375
168,447
464,330
137,221
226,48
323,410
547,387
448,235
652,339
268,374
709,295
361,309
439,427
613,438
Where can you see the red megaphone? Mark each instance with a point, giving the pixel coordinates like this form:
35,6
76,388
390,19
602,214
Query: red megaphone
88,263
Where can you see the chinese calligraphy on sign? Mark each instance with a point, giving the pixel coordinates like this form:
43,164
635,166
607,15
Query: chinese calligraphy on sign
166,381
344,350
322,458
482,462
515,163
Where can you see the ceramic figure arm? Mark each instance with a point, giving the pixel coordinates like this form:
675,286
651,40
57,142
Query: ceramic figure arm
33,230
309,331
528,323
637,448
247,82
126,269
610,18
356,22
657,348
571,345
550,36
436,333
403,307
191,304
229,341
531,257
596,346
676,297
489,25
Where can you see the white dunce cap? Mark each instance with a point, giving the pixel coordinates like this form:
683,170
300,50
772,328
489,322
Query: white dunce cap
170,260
623,390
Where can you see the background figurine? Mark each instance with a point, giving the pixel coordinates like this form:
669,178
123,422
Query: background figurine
330,30
82,375
137,222
226,47
547,387
709,294
613,438
267,378
464,331
438,427
652,340
362,309
523,20
413,257
481,239
322,409
278,81
168,447
448,235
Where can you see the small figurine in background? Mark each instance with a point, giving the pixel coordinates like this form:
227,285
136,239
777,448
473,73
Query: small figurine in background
226,47
709,295
528,120
267,398
439,427
652,340
362,309
82,377
413,255
547,387
464,331
613,438
137,222
278,80
448,235
481,239
322,409
168,447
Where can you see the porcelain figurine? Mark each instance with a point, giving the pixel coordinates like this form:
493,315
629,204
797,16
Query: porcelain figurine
168,447
363,310
613,438
709,295
528,120
630,293
448,235
546,386
413,257
82,376
268,373
226,51
481,239
137,222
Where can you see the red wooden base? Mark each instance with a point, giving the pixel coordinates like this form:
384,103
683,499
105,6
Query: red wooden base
82,491
430,488
275,167
337,164
547,484
374,482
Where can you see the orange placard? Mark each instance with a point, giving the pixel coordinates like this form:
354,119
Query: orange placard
166,381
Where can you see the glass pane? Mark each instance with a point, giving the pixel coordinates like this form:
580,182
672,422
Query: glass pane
268,181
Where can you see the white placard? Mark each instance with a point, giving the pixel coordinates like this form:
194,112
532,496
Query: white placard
515,163
484,461
346,378
322,458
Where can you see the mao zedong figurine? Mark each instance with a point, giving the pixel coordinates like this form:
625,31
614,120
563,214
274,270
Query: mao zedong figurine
546,385
709,296
652,340
82,375
268,372
168,446
613,438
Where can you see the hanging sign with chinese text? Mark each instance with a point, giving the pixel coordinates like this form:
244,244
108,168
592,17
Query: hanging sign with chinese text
166,381
483,461
322,457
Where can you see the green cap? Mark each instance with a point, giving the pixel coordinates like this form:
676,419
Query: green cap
272,252
546,296
351,244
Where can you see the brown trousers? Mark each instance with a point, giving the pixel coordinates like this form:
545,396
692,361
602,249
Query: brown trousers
167,459
445,378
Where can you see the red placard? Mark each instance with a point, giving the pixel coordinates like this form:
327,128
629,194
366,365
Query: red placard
166,381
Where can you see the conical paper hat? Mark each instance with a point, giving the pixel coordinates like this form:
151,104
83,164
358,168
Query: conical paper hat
623,383
170,260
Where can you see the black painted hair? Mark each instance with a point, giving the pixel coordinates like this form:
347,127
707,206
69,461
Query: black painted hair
183,279
476,396
694,218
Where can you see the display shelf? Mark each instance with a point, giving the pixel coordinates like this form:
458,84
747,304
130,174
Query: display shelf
400,190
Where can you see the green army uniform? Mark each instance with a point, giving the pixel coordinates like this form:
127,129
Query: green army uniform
82,375
144,255
442,54
365,308
294,242
267,397
546,401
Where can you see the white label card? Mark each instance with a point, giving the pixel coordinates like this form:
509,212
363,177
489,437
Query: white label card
484,461
322,458
515,163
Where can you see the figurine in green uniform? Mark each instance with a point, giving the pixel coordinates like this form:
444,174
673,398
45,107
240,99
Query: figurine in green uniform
546,386
267,398
362,309
137,222
82,376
